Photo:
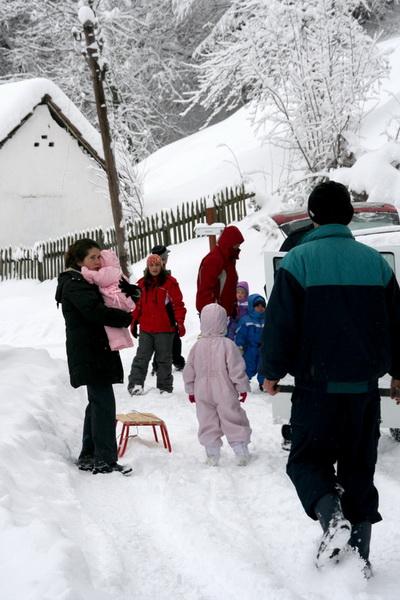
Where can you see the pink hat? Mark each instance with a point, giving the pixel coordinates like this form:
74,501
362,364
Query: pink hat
153,260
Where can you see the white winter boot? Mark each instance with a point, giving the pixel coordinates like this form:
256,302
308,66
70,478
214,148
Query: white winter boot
136,390
242,453
213,454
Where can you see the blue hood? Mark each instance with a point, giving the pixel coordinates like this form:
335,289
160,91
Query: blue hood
251,311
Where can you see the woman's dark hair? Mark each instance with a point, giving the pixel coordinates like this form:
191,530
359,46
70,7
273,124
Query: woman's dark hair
78,251
148,278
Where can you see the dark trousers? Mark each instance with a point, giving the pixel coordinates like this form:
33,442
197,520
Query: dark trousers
177,359
341,429
161,345
98,439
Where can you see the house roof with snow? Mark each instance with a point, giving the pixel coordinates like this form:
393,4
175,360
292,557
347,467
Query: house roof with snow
18,100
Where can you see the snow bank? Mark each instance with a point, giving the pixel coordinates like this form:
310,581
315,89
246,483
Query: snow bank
374,174
39,557
226,154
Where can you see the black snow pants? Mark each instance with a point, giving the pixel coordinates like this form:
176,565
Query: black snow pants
339,430
177,359
98,440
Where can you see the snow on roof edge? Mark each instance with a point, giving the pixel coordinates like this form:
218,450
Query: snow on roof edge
18,100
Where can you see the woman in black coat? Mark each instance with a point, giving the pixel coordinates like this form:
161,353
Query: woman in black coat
90,360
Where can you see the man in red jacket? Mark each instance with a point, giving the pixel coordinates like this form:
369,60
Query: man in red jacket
217,277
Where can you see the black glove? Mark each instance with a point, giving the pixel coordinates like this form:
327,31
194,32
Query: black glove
129,289
134,329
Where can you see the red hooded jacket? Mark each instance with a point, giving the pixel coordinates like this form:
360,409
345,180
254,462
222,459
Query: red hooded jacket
217,278
151,312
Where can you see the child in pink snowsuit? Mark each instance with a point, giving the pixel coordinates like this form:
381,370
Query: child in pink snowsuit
215,377
107,279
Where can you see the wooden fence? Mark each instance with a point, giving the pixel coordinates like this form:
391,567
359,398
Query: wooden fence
46,259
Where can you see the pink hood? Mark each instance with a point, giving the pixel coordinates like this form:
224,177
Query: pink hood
109,259
213,321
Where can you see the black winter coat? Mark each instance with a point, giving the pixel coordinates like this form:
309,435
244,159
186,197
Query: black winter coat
90,360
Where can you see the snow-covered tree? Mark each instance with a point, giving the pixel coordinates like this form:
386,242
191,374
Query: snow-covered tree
35,39
139,44
372,9
306,66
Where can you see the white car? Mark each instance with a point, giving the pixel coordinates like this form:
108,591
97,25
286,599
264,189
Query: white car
375,224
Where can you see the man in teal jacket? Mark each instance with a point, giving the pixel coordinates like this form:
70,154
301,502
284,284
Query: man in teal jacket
334,324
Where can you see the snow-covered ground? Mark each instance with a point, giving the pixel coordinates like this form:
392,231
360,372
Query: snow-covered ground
228,153
177,528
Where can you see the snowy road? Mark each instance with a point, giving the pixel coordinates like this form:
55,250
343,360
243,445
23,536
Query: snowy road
176,527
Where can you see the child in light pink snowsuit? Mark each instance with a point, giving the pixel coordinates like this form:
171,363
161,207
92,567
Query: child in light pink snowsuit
215,377
107,279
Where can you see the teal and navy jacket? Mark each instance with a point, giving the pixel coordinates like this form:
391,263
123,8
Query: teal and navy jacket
333,315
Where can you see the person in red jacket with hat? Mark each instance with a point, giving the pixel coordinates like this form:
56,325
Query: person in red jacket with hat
177,359
159,312
217,277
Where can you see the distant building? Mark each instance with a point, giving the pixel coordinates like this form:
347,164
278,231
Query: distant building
52,174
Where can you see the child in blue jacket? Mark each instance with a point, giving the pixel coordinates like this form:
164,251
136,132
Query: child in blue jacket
248,335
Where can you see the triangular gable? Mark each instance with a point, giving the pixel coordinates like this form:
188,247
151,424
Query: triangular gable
18,101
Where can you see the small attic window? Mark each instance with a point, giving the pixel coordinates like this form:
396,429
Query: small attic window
36,144
51,144
44,137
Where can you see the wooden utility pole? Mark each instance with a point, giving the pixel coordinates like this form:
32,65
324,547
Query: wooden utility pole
98,73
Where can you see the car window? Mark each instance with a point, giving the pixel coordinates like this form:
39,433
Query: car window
366,220
296,226
360,220
277,263
389,257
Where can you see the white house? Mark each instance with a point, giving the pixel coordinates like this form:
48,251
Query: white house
52,177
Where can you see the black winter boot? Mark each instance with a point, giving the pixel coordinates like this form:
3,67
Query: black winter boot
105,467
85,463
337,529
286,431
360,540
